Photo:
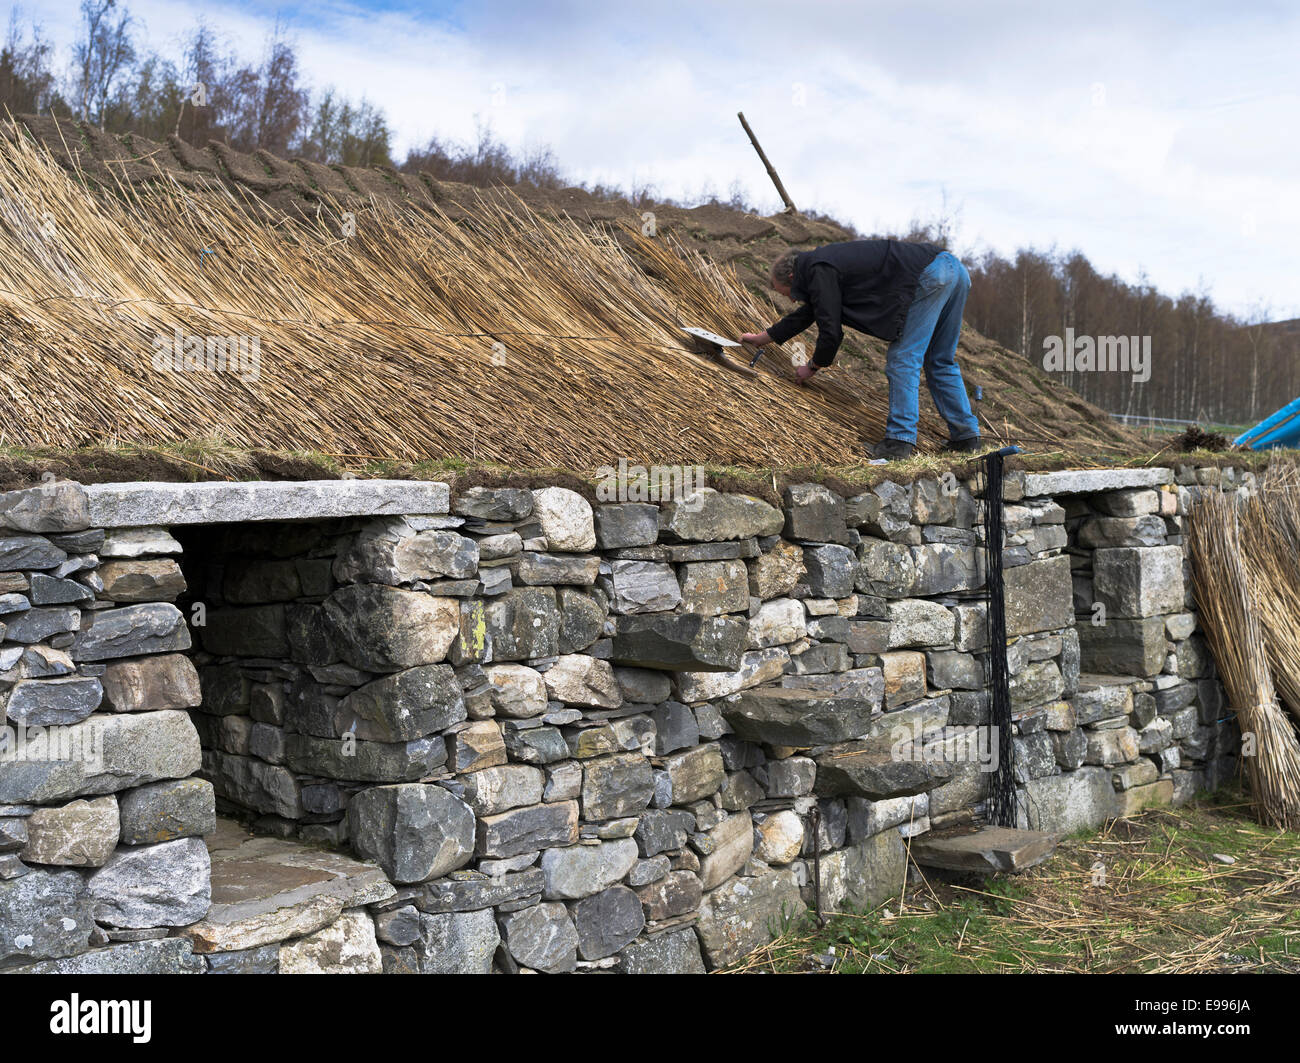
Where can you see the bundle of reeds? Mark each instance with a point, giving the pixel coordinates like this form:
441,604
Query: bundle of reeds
1270,531
1229,616
502,335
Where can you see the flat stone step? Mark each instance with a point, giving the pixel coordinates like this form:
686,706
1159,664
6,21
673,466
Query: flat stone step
266,890
983,848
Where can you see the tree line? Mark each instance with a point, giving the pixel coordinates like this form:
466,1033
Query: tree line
1205,365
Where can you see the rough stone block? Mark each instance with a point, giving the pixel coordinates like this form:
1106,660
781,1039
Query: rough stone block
118,505
583,870
403,706
78,834
712,588
680,642
153,580
355,761
695,773
1039,596
709,516
577,679
447,943
414,832
614,786
814,513
1139,582
731,843
744,913
165,811
568,524
381,629
526,830
643,587
164,885
756,667
626,524
918,622
862,876
1134,800
775,572
903,674
489,791
44,915
1077,800
505,504
168,681
542,938
672,952
346,946
51,702
677,893
108,753
57,506
792,717
1123,646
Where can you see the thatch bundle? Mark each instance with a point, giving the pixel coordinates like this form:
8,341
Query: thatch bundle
504,335
1270,530
1228,598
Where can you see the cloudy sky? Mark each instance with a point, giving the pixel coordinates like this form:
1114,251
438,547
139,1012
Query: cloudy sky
1156,138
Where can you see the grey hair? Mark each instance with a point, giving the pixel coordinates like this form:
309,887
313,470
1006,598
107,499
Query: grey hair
783,268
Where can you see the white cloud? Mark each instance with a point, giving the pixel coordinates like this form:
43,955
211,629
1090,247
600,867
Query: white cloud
1157,139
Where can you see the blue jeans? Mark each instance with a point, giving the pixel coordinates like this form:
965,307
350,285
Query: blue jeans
929,339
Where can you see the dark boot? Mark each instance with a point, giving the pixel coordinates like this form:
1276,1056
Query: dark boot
969,445
893,449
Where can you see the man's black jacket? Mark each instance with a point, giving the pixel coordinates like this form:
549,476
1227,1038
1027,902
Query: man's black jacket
865,284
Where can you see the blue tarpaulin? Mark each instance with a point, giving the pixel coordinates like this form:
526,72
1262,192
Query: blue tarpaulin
1282,429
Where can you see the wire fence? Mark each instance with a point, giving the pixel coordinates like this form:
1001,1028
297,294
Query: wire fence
1176,424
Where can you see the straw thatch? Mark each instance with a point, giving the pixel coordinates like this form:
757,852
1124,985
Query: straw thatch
501,335
1226,597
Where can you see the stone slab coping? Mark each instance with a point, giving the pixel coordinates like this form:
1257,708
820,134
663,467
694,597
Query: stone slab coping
138,504
1086,481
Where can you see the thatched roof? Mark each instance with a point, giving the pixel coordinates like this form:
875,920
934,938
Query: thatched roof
474,326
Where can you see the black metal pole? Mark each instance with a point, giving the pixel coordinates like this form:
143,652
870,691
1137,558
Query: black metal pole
1002,795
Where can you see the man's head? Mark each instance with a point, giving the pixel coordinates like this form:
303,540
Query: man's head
782,275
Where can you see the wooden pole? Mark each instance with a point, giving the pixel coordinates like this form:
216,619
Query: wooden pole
771,172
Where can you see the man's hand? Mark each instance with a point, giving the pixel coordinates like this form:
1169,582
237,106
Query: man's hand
804,373
756,339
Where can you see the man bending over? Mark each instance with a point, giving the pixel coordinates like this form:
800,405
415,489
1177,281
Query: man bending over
910,294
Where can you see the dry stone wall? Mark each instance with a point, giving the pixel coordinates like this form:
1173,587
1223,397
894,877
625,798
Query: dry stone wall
101,817
570,736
